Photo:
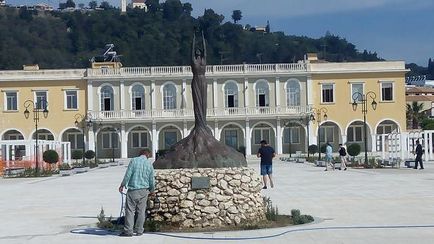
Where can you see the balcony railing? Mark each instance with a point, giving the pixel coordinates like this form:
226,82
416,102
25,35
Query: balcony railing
186,70
188,113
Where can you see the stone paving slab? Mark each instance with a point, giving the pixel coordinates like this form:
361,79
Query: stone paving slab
46,210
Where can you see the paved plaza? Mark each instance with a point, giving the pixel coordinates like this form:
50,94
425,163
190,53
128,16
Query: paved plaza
354,206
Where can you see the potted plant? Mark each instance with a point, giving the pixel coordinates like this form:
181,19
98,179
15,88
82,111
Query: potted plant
79,168
353,150
65,169
51,157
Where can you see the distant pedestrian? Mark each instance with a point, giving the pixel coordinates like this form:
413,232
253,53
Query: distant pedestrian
140,182
419,152
266,153
329,157
343,156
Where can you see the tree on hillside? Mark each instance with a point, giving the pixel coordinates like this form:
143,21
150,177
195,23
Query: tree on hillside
172,9
70,4
415,114
93,4
236,16
105,5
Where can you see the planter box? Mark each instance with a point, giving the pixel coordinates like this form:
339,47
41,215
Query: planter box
113,163
66,172
80,170
320,163
102,166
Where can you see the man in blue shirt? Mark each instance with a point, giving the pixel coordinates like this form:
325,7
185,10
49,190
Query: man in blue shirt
140,182
266,153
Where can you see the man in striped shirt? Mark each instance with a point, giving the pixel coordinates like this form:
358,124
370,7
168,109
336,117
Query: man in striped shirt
140,182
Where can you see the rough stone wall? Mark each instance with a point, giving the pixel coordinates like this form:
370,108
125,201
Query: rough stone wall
233,197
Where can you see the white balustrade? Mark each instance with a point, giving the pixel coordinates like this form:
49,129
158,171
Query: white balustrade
213,69
189,113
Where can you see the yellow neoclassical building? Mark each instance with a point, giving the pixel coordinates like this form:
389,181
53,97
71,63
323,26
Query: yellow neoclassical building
135,107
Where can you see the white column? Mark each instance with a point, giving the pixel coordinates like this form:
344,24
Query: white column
246,92
344,139
374,143
28,151
313,134
184,90
122,95
309,95
214,93
279,145
91,140
154,138
277,93
247,139
216,131
153,103
7,152
124,142
184,130
89,96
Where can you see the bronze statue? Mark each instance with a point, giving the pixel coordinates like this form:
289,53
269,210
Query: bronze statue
200,149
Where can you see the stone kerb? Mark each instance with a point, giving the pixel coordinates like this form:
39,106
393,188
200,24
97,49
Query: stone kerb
233,197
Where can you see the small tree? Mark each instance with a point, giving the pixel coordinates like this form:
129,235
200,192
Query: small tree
323,148
50,156
354,149
312,149
70,4
236,16
89,154
77,154
93,4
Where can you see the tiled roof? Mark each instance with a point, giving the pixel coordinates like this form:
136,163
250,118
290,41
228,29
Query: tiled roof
419,98
420,90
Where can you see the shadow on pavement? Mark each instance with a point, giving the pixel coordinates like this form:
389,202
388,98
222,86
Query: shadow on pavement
94,231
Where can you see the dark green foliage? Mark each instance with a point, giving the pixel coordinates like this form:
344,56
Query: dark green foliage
70,4
312,149
64,166
77,154
50,156
354,149
271,212
242,149
32,172
236,16
161,36
89,154
298,218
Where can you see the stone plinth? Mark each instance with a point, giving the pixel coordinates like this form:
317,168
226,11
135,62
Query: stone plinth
233,197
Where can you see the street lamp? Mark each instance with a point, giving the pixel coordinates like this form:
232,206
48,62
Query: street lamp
316,115
363,99
37,107
84,122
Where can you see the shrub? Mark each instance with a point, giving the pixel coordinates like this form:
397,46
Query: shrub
89,154
271,212
50,156
354,149
312,149
298,218
77,154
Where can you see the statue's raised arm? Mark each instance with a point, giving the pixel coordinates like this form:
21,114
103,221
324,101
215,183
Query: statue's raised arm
193,48
204,47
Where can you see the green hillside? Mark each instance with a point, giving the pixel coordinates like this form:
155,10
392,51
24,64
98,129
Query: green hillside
161,36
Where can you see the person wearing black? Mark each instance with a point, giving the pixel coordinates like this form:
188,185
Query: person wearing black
343,156
266,153
419,152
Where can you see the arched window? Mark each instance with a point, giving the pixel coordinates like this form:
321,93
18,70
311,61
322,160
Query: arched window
293,93
231,95
138,97
169,96
107,98
262,94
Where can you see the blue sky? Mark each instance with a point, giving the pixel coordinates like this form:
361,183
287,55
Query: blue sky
395,29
